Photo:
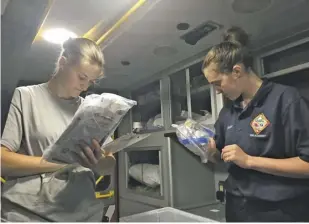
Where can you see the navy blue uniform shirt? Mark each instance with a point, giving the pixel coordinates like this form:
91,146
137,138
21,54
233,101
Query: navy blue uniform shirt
275,124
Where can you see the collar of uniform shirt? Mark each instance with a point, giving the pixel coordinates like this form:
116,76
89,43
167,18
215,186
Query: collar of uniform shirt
259,97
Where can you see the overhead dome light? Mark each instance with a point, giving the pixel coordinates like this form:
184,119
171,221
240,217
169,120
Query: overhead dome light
58,35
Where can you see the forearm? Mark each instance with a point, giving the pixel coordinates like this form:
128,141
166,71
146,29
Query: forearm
14,164
291,167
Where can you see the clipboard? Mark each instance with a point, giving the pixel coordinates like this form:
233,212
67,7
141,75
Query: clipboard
124,141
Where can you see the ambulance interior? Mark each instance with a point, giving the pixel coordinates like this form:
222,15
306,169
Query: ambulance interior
154,51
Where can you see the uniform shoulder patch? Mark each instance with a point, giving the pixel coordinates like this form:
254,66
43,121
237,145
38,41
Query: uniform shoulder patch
259,123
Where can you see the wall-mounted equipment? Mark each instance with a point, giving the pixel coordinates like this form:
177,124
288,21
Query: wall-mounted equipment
201,31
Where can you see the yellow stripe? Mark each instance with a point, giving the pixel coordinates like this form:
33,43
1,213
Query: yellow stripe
121,20
47,10
3,180
89,34
99,179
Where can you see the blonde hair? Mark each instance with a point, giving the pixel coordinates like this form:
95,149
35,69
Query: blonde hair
78,50
231,51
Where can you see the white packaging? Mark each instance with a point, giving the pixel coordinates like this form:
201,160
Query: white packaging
97,118
148,174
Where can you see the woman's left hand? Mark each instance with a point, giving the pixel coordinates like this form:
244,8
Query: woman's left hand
233,153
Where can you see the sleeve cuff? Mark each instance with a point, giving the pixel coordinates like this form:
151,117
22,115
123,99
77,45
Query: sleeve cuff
8,146
304,158
218,145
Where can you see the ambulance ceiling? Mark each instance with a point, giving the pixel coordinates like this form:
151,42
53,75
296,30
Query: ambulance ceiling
149,39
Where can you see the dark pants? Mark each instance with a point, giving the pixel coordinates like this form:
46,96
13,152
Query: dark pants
240,209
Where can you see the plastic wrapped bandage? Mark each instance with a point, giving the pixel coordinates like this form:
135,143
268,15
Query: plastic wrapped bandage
97,118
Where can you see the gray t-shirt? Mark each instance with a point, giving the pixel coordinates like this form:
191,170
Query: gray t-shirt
36,119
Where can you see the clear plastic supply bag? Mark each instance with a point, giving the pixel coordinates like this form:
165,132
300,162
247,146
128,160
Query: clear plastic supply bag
195,137
96,118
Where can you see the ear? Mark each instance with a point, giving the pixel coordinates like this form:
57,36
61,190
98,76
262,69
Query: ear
62,62
237,71
205,72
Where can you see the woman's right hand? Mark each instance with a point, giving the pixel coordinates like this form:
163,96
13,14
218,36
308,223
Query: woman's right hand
212,144
106,164
212,151
95,158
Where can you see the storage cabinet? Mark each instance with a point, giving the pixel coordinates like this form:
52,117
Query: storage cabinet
186,93
181,186
150,151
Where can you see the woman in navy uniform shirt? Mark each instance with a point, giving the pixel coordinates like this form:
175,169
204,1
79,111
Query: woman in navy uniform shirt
263,138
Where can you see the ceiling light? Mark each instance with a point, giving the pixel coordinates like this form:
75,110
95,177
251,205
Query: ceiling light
58,35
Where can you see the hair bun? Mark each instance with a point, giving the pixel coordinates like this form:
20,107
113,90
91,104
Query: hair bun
69,43
236,35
